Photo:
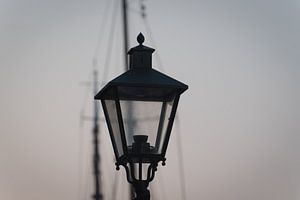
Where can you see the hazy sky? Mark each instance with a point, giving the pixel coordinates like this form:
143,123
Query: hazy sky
239,120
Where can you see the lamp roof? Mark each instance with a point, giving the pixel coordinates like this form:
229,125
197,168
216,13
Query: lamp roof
141,73
144,78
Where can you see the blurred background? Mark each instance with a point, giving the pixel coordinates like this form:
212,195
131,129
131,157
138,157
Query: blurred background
239,120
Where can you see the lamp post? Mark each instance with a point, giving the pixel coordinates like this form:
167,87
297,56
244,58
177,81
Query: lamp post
140,140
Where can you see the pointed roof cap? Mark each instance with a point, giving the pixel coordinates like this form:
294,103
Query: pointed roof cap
141,47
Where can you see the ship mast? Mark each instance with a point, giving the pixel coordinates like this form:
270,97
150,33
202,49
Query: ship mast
126,67
96,156
125,33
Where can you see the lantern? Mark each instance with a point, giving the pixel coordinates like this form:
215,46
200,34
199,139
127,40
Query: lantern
139,108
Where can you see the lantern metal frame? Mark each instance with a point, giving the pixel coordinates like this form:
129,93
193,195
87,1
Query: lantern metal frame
140,83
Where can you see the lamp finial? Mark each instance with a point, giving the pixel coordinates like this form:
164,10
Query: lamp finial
140,38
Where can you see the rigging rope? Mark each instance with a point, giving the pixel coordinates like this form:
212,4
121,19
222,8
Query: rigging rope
110,43
85,189
100,33
115,185
149,31
80,149
107,62
157,55
178,128
162,187
180,158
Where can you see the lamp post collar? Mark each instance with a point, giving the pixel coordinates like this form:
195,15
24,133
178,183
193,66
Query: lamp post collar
140,57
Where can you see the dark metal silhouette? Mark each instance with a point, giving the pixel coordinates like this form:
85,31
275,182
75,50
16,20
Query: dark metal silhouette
96,156
140,84
126,41
125,32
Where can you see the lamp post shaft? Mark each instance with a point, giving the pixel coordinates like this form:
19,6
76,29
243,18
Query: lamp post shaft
142,193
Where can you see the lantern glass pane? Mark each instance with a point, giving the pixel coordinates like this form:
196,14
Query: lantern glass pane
148,118
163,124
115,128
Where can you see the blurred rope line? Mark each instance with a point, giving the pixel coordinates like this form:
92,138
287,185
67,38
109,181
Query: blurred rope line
111,40
162,187
157,55
150,34
180,158
84,172
113,6
160,66
177,121
115,185
144,20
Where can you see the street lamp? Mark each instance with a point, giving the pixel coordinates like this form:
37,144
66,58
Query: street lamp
139,108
